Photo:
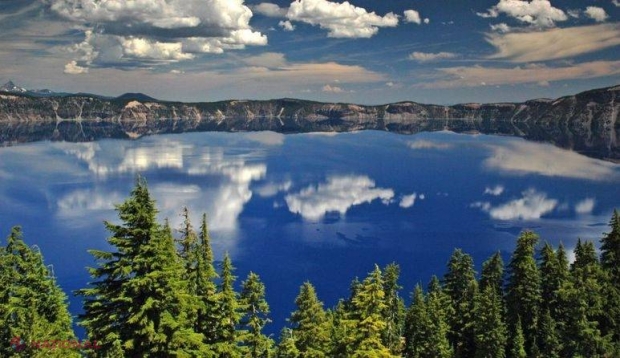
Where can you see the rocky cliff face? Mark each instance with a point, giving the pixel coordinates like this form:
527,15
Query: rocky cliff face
586,122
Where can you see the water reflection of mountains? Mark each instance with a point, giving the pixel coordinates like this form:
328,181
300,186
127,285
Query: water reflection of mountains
586,123
558,135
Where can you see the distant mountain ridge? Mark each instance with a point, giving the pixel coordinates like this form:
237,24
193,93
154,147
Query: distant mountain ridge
586,122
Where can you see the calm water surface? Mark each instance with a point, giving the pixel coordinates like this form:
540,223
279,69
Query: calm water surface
316,207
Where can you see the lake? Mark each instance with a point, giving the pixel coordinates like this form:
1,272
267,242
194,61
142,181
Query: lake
322,207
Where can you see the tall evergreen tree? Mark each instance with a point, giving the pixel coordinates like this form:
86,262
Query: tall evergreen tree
32,306
229,311
394,314
256,309
310,325
493,274
489,325
204,287
460,285
610,262
286,347
548,337
523,290
368,305
610,250
552,275
517,348
138,302
582,298
426,327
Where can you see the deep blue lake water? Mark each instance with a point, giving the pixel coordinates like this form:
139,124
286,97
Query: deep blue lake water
317,207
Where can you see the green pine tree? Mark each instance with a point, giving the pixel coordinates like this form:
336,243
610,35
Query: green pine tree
205,288
548,338
394,314
32,306
581,297
489,325
610,262
286,347
426,326
229,310
523,294
517,348
256,309
310,325
460,285
138,302
493,274
368,306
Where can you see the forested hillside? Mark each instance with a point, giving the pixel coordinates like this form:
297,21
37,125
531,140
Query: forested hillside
158,293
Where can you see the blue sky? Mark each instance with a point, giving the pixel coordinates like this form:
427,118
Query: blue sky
362,51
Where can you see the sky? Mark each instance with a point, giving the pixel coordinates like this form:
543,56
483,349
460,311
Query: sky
360,51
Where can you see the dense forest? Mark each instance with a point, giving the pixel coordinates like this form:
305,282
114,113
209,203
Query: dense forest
158,293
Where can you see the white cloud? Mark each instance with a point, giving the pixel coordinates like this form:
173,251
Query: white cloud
427,144
531,206
266,137
159,29
495,191
500,28
286,25
596,13
144,48
519,158
474,76
585,206
554,43
426,57
332,89
269,9
412,16
538,13
72,68
338,194
407,201
271,189
616,2
79,201
427,20
573,13
342,20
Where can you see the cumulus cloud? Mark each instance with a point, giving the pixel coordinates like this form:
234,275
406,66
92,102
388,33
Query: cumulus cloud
495,191
266,137
144,48
503,28
539,13
271,189
520,158
531,206
286,25
338,194
596,13
585,206
342,20
554,43
426,57
72,68
332,89
427,144
160,30
412,16
407,201
474,76
269,9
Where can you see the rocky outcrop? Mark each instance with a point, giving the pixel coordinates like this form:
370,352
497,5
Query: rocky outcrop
586,122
